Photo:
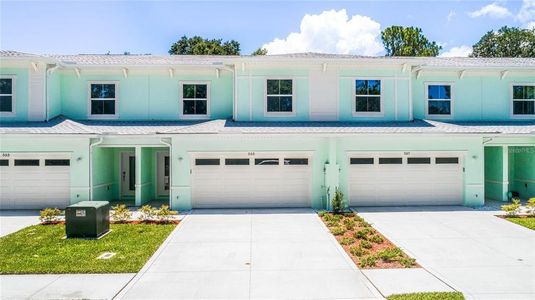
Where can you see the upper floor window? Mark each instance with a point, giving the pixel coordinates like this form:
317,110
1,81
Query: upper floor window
7,94
524,100
367,96
279,96
195,97
439,99
103,99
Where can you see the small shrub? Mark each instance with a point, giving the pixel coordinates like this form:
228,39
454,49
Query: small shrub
407,262
347,240
357,251
531,206
49,215
364,224
368,261
358,218
164,214
120,213
390,254
376,239
333,223
146,212
337,202
322,213
512,209
365,244
338,230
361,235
349,223
333,218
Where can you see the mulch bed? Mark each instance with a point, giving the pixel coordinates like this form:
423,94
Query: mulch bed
371,250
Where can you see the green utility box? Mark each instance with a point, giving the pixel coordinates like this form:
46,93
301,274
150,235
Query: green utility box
87,219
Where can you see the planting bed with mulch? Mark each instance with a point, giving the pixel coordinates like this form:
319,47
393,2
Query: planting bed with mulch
365,245
526,221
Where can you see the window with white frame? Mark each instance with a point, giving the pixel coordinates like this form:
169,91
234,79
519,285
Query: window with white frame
367,96
439,99
279,96
524,100
103,98
195,99
7,94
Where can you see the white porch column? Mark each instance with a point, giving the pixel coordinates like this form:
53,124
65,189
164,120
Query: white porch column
138,176
505,172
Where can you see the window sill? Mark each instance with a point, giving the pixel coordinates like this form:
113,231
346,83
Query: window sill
103,117
194,117
439,117
368,114
279,114
523,117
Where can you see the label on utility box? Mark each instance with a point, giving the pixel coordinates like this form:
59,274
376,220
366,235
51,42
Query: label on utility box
80,212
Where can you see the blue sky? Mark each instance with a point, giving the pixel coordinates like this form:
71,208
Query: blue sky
152,26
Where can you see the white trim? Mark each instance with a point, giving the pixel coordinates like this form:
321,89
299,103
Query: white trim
293,95
511,101
13,111
452,97
89,99
181,99
354,112
160,173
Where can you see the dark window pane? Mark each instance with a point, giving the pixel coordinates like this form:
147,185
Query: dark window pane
237,161
518,92
439,92
109,107
530,92
447,160
200,107
390,160
361,160
57,162
361,87
296,161
189,107
286,104
6,103
419,160
374,87
285,87
132,173
361,104
188,91
524,107
26,162
266,161
374,104
201,91
97,107
207,162
272,87
524,92
273,103
4,162
6,86
439,107
102,90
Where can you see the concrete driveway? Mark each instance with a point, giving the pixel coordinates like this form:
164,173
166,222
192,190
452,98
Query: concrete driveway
15,220
247,254
477,253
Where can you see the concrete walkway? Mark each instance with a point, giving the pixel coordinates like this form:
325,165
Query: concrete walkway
248,254
15,220
67,286
475,252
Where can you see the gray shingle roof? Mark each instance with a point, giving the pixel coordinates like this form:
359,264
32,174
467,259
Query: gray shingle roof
134,127
10,53
140,59
58,125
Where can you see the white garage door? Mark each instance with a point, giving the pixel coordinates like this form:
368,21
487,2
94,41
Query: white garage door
418,179
34,181
259,180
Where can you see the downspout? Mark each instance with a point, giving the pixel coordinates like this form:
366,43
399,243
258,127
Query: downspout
170,169
91,146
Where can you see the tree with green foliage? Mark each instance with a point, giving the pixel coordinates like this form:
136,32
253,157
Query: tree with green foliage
506,42
199,46
408,41
260,51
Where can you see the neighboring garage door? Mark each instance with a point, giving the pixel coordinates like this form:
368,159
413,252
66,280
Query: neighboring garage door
401,179
34,181
251,180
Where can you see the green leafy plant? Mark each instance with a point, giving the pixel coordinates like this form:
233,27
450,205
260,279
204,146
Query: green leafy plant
407,262
364,224
365,244
361,234
337,202
333,218
376,239
531,207
390,254
357,251
49,215
347,240
512,209
146,212
358,218
322,213
164,214
120,213
349,223
338,230
368,261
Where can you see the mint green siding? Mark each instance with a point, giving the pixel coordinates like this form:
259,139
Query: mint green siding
53,90
495,183
21,93
523,177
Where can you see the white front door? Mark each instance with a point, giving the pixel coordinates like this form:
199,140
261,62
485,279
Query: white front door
128,174
420,178
34,180
260,180
163,170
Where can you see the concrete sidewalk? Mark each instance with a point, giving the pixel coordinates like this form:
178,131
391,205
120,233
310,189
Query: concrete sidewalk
15,220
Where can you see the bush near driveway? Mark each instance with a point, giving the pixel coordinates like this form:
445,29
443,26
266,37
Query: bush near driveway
428,296
41,249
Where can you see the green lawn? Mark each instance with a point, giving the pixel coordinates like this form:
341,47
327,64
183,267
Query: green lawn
42,249
428,296
526,222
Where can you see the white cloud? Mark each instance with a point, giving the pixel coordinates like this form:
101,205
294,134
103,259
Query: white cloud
492,10
461,51
530,25
451,15
331,32
526,14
